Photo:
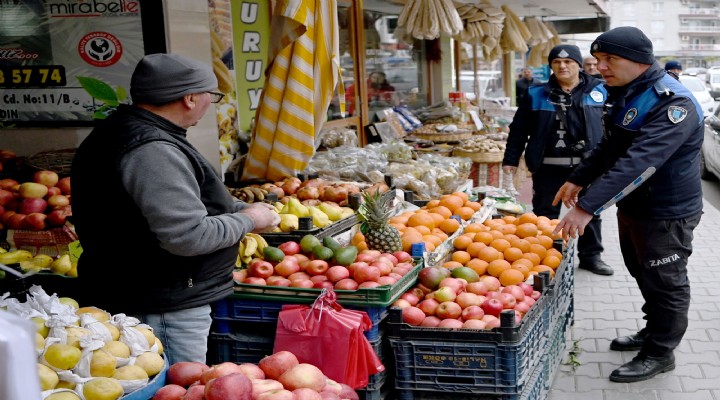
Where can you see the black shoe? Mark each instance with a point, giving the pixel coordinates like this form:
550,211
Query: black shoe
596,266
643,367
627,343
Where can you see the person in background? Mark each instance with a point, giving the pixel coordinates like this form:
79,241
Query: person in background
649,164
526,80
590,67
674,68
158,228
378,89
556,125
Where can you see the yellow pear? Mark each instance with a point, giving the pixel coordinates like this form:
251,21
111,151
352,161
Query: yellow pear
42,260
65,385
97,313
130,373
117,349
75,333
63,396
149,335
48,378
102,363
333,212
151,362
40,326
62,356
102,389
114,331
73,271
70,302
61,265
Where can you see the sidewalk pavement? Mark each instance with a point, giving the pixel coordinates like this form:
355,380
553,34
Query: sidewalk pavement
609,306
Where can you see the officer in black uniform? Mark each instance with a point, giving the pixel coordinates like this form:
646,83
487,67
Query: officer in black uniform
648,162
673,68
556,125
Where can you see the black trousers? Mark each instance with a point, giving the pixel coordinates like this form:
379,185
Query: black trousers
547,180
656,254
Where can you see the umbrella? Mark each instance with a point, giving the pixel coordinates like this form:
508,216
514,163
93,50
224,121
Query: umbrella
303,71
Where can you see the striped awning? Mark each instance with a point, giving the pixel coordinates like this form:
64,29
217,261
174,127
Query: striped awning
301,78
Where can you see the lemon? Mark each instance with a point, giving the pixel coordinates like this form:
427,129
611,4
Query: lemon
102,389
62,356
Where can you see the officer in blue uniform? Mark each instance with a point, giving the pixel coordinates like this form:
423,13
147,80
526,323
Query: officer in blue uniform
648,163
556,125
673,68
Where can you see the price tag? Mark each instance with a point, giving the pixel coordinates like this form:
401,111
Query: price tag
32,76
74,250
476,119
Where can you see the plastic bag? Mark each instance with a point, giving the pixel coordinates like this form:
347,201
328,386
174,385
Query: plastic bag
330,337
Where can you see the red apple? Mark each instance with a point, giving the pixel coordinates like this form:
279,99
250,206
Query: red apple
288,266
366,258
529,300
260,268
390,257
352,267
302,259
514,290
366,274
35,221
64,185
474,324
479,288
302,283
346,284
317,267
281,394
348,392
303,375
491,321
508,300
32,190
290,248
184,373
239,275
222,369
306,394
386,280
8,183
467,299
5,217
318,278
526,287
368,285
32,205
412,316
196,392
403,256
337,273
472,312
431,321
448,310
6,197
15,221
492,307
450,323
384,266
491,282
53,191
278,363
234,386
251,370
278,282
522,307
332,387
323,285
255,280
260,386
428,306
535,295
456,284
445,293
58,200
298,275
170,392
412,298
401,303
46,177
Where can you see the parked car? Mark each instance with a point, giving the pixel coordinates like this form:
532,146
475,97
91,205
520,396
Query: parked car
700,72
712,78
710,153
701,93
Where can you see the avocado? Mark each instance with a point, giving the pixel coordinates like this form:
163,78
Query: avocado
273,254
323,253
331,243
308,243
346,255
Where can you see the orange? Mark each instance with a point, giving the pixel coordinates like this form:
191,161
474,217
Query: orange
510,237
432,204
551,261
512,254
398,220
489,254
538,249
507,228
524,262
432,239
410,237
399,227
546,241
496,234
423,229
511,277
554,252
451,264
465,213
423,219
541,267
462,195
429,246
500,244
473,204
475,247
437,218
475,227
483,237
442,210
510,219
460,256
527,217
478,266
521,244
533,257
359,237
532,239
362,246
522,268
462,242
526,229
439,233
541,219
449,225
496,267
452,202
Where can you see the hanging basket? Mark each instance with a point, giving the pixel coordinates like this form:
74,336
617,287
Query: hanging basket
59,161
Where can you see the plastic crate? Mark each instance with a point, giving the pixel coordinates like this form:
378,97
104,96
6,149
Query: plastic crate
240,347
562,287
555,348
499,361
278,238
381,296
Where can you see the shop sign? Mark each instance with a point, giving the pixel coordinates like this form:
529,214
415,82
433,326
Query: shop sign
66,61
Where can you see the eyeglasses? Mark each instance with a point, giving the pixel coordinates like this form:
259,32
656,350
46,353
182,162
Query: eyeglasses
215,97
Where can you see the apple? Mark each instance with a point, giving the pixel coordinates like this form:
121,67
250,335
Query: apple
417,292
260,268
491,282
35,221
385,267
390,257
529,300
401,303
32,190
368,285
364,257
15,221
8,183
302,259
6,197
317,267
467,299
474,324
346,284
318,278
428,306
430,277
298,275
450,323
46,177
431,321
32,205
303,375
170,392
222,369
396,276
288,266
348,392
403,256
184,373
448,310
323,285
278,363
412,316
386,280
514,290
332,387
492,307
64,185
58,200
508,300
526,287
302,283
472,312
491,321
352,267
456,284
337,273
411,298
306,394
53,191
366,274
196,392
239,275
280,394
522,307
290,248
535,295
446,293
280,281
234,386
251,370
261,385
255,280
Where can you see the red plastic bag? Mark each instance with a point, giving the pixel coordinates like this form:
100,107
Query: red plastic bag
330,337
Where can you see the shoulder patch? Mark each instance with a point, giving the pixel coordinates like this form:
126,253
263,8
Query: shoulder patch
596,96
630,116
676,114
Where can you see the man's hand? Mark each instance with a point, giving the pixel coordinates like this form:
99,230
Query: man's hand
568,193
509,169
573,223
263,215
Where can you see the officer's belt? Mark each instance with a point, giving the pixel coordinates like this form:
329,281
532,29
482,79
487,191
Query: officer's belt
562,161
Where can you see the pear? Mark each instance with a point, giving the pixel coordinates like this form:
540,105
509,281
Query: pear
48,378
63,395
102,363
70,302
40,326
117,349
75,333
320,219
102,389
130,373
334,213
289,222
62,265
62,356
151,362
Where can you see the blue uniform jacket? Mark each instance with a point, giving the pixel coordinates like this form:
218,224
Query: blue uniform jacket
654,128
535,121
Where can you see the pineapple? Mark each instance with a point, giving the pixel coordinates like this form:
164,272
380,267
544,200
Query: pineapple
375,212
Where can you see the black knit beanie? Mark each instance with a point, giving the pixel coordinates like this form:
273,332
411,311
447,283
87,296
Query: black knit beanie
565,51
627,42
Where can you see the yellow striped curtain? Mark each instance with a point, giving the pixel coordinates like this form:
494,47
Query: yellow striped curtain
301,78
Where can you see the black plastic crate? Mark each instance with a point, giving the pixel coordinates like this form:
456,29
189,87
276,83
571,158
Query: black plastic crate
248,346
337,227
556,348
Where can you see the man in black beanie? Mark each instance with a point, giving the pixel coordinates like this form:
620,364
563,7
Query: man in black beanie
555,126
648,165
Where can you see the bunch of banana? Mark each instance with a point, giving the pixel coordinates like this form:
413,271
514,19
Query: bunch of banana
40,261
248,194
15,256
250,247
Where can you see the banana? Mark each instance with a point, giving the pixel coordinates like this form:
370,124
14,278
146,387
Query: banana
258,193
2,250
261,244
241,250
250,246
15,256
249,195
43,260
